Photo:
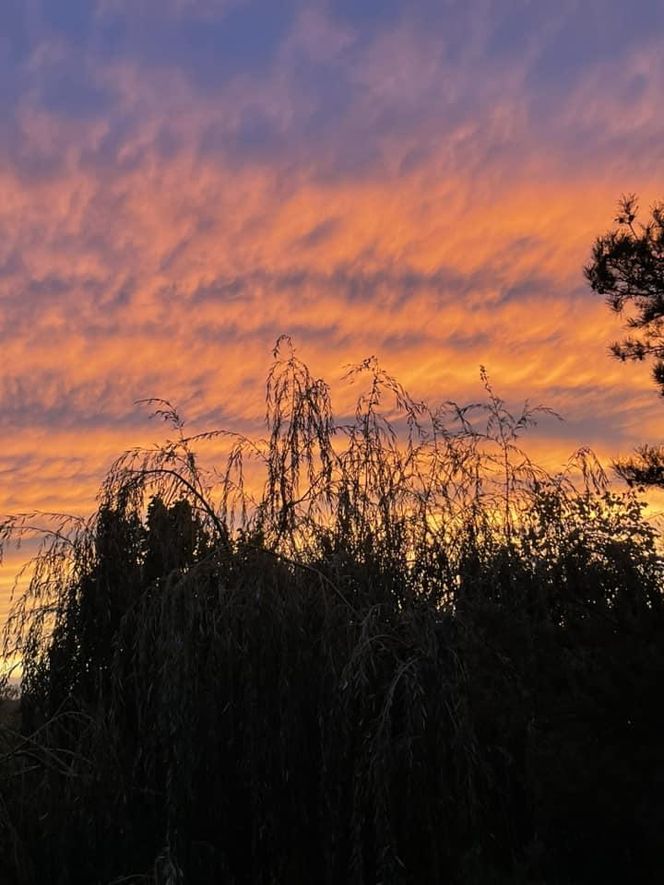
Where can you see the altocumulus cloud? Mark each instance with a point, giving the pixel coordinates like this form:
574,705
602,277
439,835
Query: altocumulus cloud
184,180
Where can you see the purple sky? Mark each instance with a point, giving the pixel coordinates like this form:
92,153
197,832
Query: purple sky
184,180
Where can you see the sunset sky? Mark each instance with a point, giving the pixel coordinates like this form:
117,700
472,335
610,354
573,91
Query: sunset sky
184,180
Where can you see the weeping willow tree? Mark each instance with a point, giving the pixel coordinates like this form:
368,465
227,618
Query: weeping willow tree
407,654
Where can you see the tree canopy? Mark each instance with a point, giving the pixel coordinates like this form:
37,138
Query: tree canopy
628,268
415,656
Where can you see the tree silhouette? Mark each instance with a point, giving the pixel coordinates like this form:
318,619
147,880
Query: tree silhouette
628,268
415,656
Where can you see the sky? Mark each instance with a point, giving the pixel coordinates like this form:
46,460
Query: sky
184,180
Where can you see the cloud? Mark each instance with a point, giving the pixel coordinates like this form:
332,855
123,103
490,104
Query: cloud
183,181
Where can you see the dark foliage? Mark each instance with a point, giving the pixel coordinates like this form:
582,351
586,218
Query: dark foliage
414,658
628,268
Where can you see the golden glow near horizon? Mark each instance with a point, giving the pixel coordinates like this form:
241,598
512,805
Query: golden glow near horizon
420,184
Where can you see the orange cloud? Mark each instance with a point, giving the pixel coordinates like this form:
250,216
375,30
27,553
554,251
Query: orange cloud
432,218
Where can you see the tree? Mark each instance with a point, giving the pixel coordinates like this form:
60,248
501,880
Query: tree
628,268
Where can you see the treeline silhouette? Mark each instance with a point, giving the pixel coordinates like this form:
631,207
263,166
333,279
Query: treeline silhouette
414,657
